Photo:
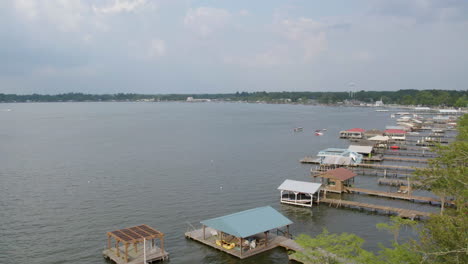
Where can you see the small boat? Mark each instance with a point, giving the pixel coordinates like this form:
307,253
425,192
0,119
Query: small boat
225,244
324,129
318,133
395,147
298,129
381,110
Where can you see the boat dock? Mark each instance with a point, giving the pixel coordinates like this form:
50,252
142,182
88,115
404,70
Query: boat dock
311,160
383,166
136,257
405,213
414,154
392,195
130,252
397,182
405,159
273,242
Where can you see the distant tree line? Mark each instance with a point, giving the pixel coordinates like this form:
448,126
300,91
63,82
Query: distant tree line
402,97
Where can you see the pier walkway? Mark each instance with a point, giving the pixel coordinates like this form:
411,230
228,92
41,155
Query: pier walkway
393,195
405,213
273,242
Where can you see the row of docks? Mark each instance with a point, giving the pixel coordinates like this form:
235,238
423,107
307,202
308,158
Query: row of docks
382,161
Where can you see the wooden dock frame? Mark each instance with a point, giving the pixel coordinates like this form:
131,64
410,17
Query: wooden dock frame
205,236
130,238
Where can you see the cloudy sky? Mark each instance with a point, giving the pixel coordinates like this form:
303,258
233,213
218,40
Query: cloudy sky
221,46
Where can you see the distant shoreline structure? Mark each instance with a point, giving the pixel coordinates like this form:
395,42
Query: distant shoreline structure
382,99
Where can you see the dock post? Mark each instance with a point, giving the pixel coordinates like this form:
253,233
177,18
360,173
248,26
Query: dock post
241,245
162,245
117,248
126,252
109,242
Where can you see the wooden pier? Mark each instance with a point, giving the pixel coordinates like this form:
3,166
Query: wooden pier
405,159
401,196
383,166
397,182
405,213
414,154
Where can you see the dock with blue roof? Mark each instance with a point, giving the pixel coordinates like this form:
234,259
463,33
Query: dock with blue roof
247,233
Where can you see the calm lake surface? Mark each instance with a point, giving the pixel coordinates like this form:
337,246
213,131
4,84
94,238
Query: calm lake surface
70,172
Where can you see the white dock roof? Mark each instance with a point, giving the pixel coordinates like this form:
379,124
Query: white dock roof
300,186
360,149
379,138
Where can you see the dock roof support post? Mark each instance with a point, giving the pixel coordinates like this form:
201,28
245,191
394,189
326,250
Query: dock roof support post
135,246
109,242
311,199
126,252
281,196
204,232
162,245
241,245
117,248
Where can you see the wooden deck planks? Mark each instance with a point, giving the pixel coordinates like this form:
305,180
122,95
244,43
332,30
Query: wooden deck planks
273,242
393,195
133,257
407,213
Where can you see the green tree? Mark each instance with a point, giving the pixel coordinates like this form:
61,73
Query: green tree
395,226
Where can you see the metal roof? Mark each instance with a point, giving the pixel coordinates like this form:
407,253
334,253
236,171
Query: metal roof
135,234
340,174
379,138
300,186
360,149
248,223
356,130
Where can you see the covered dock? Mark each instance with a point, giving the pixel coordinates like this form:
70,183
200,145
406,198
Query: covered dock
353,133
337,180
139,245
299,192
245,233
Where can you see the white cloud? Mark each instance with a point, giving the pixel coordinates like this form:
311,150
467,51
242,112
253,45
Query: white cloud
119,6
157,48
244,12
206,20
66,15
307,33
27,8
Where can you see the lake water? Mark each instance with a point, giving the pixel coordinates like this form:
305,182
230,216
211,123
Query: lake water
70,172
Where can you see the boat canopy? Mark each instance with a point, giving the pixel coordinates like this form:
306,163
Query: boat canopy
300,186
249,222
